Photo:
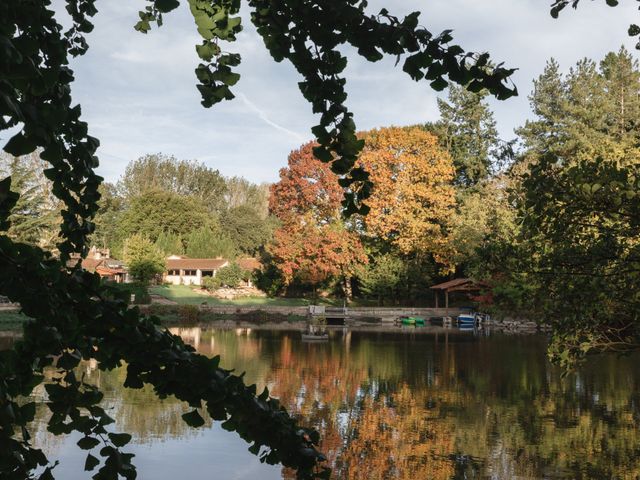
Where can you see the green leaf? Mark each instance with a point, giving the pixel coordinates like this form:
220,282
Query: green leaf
20,145
119,439
439,84
193,419
90,463
322,154
87,443
165,6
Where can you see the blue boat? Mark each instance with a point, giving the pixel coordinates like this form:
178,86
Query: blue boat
467,318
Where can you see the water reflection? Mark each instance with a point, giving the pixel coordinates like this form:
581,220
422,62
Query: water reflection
393,405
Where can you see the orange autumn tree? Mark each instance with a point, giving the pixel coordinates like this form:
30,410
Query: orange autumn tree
313,243
413,196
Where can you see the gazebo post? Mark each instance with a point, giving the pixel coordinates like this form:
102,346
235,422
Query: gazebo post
435,292
446,301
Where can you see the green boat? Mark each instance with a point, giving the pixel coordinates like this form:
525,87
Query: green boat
413,321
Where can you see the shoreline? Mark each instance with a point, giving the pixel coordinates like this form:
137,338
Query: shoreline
278,318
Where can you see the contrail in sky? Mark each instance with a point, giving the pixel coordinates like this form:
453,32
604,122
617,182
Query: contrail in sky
263,116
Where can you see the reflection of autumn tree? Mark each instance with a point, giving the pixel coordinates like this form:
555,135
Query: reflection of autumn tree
394,437
495,401
404,406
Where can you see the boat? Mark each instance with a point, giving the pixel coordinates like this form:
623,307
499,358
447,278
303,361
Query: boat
413,321
467,319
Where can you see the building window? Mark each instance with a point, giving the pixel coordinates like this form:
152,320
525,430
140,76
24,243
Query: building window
174,272
190,273
207,273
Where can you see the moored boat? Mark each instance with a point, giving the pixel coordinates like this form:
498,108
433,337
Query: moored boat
467,319
412,321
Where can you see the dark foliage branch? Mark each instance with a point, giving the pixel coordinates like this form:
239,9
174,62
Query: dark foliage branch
588,234
558,5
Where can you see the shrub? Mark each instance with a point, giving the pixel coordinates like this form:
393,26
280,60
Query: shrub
144,258
230,276
189,313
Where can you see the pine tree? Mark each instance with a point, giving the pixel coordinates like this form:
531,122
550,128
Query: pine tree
621,74
36,216
208,243
108,218
467,130
170,243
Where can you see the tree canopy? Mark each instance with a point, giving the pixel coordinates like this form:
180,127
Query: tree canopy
312,243
413,193
183,177
581,207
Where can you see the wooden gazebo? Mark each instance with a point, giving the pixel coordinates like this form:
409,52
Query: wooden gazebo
457,285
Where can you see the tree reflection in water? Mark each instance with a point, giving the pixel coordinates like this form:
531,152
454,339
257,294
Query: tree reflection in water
408,406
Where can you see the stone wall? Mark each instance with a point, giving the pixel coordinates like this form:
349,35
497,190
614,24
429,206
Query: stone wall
384,313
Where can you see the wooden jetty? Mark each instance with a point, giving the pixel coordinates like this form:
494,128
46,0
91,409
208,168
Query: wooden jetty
332,315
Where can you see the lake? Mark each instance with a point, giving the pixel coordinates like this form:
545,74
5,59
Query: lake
404,404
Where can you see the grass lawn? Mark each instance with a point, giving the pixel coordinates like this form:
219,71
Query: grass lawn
11,320
184,295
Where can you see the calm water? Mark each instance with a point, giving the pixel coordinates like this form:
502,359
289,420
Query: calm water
394,405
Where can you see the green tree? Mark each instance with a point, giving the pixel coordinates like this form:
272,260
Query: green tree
484,227
467,130
36,217
248,231
208,243
107,219
242,193
580,208
158,211
144,259
382,277
170,243
182,177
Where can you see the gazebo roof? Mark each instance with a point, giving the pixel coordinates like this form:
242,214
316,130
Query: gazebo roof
460,284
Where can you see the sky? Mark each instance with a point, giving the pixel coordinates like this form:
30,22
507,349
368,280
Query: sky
138,91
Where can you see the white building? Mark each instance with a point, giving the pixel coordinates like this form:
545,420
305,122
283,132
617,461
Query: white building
191,271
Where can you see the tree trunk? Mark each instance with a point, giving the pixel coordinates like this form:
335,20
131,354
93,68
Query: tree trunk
346,286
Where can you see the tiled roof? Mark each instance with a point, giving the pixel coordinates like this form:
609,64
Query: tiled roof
196,263
90,264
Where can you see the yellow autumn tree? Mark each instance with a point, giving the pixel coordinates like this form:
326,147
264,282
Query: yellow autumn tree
414,195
